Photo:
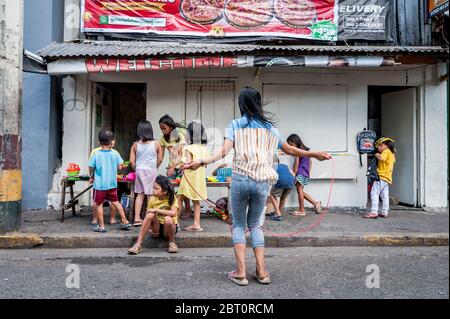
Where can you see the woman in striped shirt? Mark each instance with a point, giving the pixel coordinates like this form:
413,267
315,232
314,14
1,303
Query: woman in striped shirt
255,141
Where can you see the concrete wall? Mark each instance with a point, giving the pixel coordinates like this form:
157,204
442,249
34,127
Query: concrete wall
41,110
165,94
11,46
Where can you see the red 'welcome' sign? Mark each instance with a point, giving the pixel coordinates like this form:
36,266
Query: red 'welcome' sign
311,19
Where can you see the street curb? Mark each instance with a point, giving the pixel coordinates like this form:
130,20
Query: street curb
20,241
205,240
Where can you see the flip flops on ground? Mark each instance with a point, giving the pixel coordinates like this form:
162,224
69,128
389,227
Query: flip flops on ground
297,213
125,226
263,280
137,224
193,229
98,229
276,218
238,281
371,216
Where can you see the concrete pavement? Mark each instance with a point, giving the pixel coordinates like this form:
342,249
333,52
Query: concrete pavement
405,227
297,273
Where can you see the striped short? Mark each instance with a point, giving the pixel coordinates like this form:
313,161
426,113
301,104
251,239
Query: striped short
303,180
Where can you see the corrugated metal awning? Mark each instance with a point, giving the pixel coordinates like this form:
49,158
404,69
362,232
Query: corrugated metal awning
93,49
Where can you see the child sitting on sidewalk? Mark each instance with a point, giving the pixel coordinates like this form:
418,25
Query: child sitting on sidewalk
385,167
103,167
282,189
162,216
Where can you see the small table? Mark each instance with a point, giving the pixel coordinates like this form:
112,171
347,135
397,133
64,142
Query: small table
69,182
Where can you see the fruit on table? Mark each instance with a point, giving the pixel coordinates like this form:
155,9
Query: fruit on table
73,170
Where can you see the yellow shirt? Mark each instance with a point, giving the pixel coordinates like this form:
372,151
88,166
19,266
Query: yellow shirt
174,146
386,165
156,203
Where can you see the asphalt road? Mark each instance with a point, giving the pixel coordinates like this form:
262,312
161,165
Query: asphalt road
339,272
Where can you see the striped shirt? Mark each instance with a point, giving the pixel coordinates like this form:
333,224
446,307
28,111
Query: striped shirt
255,145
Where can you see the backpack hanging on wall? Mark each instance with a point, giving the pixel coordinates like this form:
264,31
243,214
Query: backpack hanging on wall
365,142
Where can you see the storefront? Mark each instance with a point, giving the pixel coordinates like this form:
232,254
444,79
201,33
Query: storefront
325,94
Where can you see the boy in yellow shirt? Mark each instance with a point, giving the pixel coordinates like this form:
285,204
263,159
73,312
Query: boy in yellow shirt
385,167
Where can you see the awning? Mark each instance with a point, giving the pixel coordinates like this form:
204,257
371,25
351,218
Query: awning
132,56
126,49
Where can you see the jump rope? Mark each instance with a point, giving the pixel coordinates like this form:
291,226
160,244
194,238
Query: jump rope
267,230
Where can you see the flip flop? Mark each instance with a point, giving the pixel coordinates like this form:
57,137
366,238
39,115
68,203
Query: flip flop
297,214
237,281
192,229
276,218
383,215
318,208
137,224
271,214
371,216
125,226
97,229
263,281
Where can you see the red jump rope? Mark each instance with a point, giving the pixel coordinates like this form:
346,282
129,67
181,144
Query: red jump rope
303,230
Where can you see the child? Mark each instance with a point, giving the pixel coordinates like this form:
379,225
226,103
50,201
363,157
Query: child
112,209
386,160
161,218
302,169
282,189
145,158
103,171
193,183
174,140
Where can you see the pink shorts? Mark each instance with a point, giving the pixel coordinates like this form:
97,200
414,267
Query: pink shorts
145,178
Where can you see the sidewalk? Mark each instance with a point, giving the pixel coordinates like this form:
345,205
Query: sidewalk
404,227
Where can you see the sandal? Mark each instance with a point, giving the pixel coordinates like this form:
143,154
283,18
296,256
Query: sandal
98,229
125,226
173,248
236,280
137,224
135,250
192,229
276,218
318,208
263,280
371,216
296,213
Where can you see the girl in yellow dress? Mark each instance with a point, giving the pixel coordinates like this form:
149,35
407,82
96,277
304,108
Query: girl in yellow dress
193,183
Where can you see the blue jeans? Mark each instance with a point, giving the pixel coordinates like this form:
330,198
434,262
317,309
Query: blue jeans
248,199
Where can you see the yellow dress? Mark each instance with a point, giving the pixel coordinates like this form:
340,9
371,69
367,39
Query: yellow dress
196,178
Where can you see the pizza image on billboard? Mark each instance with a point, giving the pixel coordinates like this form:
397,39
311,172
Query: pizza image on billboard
295,13
248,14
202,11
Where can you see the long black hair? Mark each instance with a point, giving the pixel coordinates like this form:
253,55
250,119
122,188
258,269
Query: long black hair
250,104
145,131
197,133
168,120
166,186
297,141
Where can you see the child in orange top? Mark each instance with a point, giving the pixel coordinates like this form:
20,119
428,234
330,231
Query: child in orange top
385,167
